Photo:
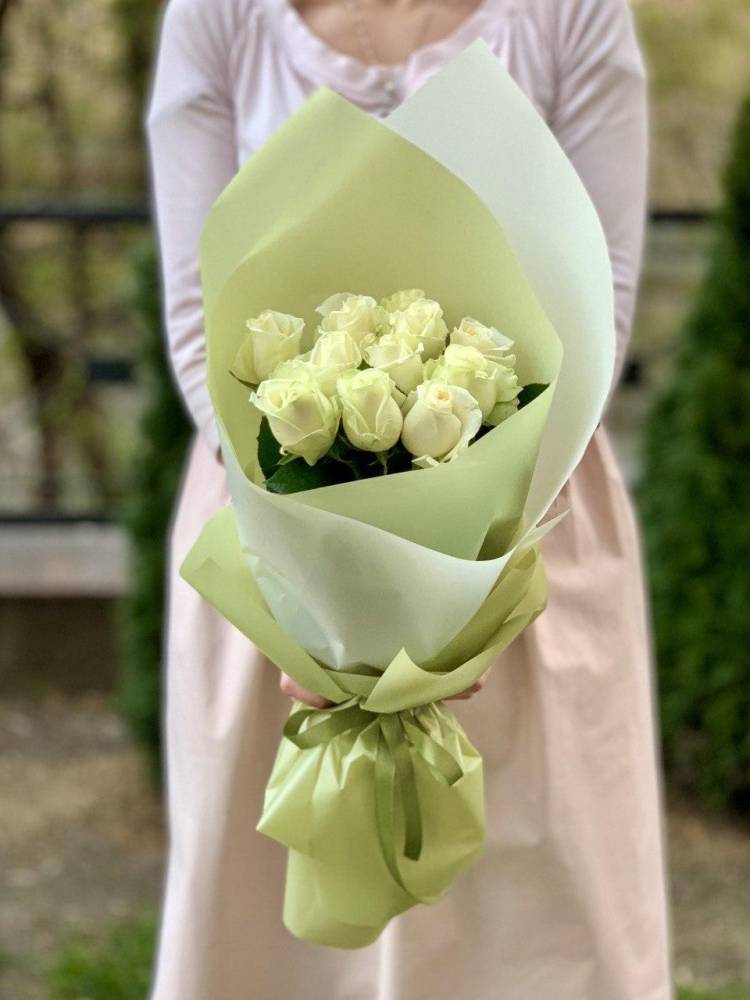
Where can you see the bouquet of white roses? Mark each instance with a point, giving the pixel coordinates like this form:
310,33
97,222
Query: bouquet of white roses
387,593
385,387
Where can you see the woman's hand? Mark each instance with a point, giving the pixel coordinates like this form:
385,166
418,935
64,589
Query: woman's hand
296,691
470,691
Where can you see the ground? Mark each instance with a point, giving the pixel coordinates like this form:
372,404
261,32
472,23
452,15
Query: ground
81,833
82,842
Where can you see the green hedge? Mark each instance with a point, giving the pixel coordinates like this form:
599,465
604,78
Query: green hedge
157,467
116,967
695,505
738,991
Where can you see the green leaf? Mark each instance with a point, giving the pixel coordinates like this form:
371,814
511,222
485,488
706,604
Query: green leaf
531,391
484,429
340,450
399,459
269,450
360,464
296,476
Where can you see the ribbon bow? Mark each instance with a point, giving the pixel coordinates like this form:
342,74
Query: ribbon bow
400,734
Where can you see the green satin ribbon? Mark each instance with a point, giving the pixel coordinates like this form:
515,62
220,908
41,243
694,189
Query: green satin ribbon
399,735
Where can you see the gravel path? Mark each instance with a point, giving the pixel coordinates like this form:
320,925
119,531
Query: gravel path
81,836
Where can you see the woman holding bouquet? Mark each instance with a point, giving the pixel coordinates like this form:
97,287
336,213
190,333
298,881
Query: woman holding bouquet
568,901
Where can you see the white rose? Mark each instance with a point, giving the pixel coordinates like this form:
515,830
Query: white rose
440,422
273,337
399,358
297,368
333,354
468,368
400,300
422,322
492,344
302,418
506,383
358,315
371,417
501,411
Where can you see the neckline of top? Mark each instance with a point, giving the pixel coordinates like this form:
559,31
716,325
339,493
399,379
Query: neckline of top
312,54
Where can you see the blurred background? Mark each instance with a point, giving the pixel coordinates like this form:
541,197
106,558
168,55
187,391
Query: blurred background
93,438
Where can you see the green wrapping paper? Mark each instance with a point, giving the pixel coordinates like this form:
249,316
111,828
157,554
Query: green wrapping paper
385,595
379,800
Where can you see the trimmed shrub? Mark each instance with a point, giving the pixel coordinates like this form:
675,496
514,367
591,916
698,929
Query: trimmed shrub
118,967
694,499
157,467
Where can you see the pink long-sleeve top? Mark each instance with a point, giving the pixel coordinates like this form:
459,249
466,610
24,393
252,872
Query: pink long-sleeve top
229,72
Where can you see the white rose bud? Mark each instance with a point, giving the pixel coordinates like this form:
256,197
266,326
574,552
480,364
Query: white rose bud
302,418
506,392
422,322
371,417
358,315
492,344
302,369
333,354
273,337
468,368
440,422
501,411
400,300
399,358
506,383
296,368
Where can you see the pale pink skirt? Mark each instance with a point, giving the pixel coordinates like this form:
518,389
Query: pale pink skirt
569,900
